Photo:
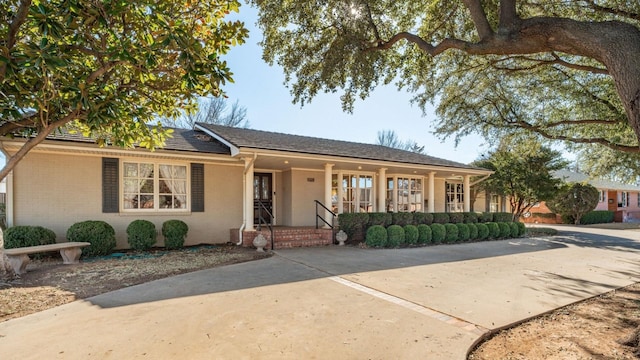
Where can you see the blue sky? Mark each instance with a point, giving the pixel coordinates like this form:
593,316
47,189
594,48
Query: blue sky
260,89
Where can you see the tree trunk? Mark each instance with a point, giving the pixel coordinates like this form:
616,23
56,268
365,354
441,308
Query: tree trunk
6,271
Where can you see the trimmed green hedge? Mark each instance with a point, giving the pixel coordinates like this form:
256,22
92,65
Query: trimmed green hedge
463,232
438,233
25,236
505,230
483,231
354,225
141,235
485,217
101,235
473,231
378,218
456,218
411,234
597,217
441,218
522,229
174,232
376,236
494,230
422,218
502,217
451,233
402,218
470,217
424,234
395,236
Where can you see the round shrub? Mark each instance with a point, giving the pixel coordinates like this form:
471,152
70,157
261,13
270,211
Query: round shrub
141,235
438,233
451,233
505,230
494,230
376,236
463,232
174,232
395,236
100,234
411,234
515,231
473,231
24,236
424,234
521,229
483,231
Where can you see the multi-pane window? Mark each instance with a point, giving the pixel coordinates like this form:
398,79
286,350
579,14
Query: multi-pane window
356,191
603,196
494,203
455,197
623,199
150,186
405,194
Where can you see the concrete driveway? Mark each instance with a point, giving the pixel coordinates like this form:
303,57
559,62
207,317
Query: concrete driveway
335,302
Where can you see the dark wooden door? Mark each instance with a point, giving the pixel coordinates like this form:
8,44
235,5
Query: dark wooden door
262,194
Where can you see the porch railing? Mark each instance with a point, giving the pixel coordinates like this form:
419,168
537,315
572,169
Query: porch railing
258,205
320,217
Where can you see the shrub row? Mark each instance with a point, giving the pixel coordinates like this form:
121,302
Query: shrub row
597,217
395,235
141,235
356,224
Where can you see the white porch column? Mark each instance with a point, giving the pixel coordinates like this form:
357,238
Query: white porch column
9,200
431,206
340,194
248,194
382,189
327,192
467,193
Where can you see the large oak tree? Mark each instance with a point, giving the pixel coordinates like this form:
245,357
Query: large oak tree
565,70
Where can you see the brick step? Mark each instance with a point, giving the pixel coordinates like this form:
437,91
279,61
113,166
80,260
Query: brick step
300,243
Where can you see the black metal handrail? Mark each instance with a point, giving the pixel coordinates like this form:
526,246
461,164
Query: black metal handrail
318,216
261,219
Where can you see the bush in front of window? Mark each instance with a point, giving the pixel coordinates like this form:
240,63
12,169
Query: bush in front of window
456,218
25,236
470,217
483,231
422,218
473,231
411,234
463,232
378,218
438,233
494,230
376,236
174,232
440,218
141,235
451,233
402,218
395,236
522,230
354,225
502,217
100,234
485,217
424,234
505,230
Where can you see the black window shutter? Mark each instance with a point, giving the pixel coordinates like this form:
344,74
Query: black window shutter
110,180
197,187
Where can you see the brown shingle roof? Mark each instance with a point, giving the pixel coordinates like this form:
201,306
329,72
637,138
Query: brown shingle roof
265,140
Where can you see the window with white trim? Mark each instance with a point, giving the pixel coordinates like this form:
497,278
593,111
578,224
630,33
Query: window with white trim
455,197
154,186
623,199
603,196
404,194
356,191
494,203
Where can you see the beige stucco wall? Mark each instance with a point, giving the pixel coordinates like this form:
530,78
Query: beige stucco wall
307,186
58,190
440,194
286,199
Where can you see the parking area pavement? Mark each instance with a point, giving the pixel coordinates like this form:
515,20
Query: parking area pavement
335,302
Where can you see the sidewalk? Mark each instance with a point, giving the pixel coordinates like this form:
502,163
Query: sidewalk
334,302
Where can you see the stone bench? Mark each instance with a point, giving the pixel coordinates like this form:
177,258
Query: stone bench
19,257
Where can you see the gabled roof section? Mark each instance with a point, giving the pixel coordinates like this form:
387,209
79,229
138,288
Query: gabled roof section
180,140
600,184
265,140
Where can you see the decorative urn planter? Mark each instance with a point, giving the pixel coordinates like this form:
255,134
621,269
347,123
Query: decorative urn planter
341,236
260,242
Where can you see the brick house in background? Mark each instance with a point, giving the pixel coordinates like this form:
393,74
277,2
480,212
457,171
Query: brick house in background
622,199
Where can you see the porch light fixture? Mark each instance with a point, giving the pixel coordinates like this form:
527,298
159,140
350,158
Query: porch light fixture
286,161
359,167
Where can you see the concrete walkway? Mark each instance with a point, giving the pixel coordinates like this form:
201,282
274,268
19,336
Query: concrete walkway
335,302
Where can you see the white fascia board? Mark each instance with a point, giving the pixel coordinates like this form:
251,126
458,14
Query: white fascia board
234,149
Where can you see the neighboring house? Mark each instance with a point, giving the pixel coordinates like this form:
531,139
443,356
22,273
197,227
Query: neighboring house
620,198
220,179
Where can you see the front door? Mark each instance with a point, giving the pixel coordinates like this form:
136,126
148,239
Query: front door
262,195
